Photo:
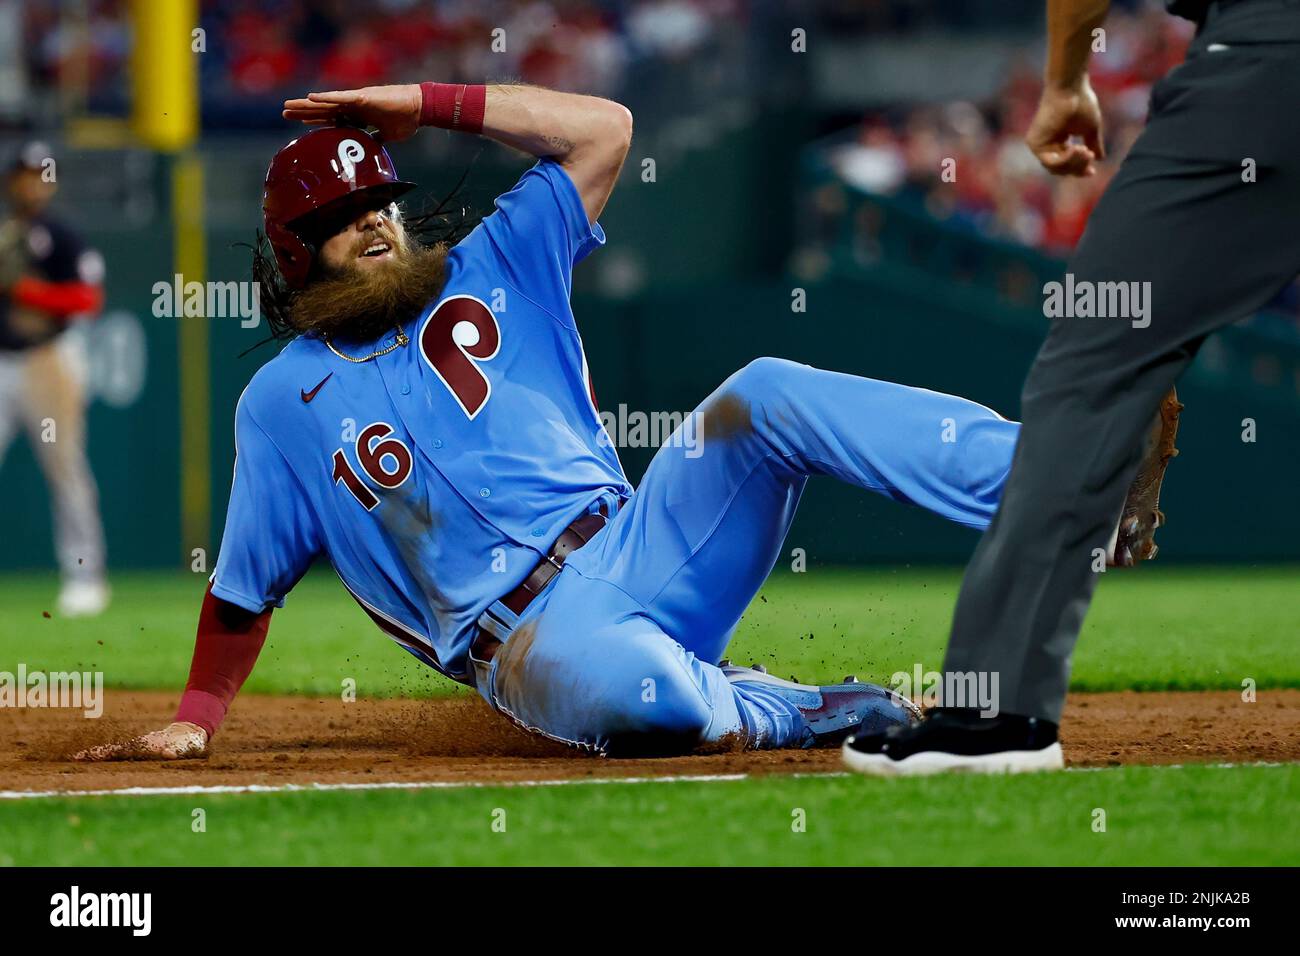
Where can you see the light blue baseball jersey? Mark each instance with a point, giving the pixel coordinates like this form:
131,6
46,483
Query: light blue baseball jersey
436,476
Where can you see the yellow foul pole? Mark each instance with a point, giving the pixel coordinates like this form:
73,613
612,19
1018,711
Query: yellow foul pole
165,117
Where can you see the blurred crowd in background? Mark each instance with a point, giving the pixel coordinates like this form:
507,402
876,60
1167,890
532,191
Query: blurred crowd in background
999,188
264,49
257,51
665,58
260,48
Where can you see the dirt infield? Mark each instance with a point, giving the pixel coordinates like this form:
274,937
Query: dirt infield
296,740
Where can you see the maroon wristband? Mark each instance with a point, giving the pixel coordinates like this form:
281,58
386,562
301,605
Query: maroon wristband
201,708
455,106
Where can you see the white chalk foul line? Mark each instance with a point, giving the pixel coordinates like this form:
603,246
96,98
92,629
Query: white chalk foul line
481,784
382,785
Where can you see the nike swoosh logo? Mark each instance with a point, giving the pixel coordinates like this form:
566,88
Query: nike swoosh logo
308,396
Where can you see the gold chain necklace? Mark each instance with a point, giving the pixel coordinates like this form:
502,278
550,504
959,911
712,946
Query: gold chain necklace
401,340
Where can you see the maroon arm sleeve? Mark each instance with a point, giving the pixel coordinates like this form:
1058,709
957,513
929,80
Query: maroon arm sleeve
225,651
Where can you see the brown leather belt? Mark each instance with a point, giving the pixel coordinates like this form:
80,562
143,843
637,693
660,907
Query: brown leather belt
486,644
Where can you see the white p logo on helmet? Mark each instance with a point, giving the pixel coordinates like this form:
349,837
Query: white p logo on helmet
350,153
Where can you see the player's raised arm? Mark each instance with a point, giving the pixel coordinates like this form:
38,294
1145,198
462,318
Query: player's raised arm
587,135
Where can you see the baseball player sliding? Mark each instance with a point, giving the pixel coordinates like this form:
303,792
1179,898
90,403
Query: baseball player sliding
430,428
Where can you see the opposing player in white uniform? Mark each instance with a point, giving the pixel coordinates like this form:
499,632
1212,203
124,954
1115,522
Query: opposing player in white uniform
49,279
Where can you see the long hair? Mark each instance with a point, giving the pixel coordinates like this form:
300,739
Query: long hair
446,223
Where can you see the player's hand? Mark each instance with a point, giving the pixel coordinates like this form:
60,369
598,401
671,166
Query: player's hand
393,110
1064,113
181,739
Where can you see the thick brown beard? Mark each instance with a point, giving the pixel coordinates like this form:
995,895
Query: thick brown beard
361,305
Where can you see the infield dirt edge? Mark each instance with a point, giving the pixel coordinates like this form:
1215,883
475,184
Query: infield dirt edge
279,740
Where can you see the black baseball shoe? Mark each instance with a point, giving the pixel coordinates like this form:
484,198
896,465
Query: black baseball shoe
957,739
833,711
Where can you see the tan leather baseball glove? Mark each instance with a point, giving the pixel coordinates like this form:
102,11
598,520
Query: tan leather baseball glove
1141,516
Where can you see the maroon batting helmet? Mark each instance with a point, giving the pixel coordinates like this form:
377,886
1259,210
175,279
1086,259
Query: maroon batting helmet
316,185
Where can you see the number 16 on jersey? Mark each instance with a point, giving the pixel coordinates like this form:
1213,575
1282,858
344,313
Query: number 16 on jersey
386,461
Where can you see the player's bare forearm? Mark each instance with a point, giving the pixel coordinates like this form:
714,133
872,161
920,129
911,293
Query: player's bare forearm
1066,133
1069,39
587,135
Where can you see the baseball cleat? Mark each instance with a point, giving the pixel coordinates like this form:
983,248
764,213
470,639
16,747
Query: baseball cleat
836,710
83,599
957,740
1134,538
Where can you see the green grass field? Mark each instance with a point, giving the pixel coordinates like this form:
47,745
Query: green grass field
1154,816
1155,629
1159,628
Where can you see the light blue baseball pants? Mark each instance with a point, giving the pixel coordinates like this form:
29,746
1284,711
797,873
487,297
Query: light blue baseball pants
619,654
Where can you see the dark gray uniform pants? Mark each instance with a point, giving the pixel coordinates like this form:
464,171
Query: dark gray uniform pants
1214,247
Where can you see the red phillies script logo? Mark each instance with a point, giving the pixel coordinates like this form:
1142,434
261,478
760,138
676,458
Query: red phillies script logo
461,333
